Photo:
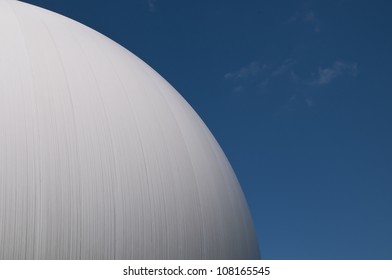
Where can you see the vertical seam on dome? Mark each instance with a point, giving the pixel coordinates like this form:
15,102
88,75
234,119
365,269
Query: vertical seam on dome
138,136
37,184
111,141
74,129
149,185
203,249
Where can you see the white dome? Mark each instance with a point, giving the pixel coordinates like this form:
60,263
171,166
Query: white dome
100,158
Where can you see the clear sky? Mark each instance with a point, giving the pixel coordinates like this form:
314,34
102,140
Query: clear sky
299,96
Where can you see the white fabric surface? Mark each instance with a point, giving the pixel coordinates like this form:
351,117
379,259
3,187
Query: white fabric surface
100,158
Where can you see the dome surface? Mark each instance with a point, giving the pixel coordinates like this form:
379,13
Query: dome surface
100,158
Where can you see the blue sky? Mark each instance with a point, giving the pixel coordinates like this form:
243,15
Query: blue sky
298,94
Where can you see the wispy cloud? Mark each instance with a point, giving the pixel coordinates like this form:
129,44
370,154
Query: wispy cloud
152,5
286,82
306,89
328,74
257,70
305,15
309,16
256,75
282,68
239,89
250,70
263,74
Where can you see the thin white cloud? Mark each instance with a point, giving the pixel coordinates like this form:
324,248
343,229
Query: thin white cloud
256,76
305,16
152,5
293,18
309,102
251,70
310,17
263,74
239,89
283,79
302,16
283,68
328,74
